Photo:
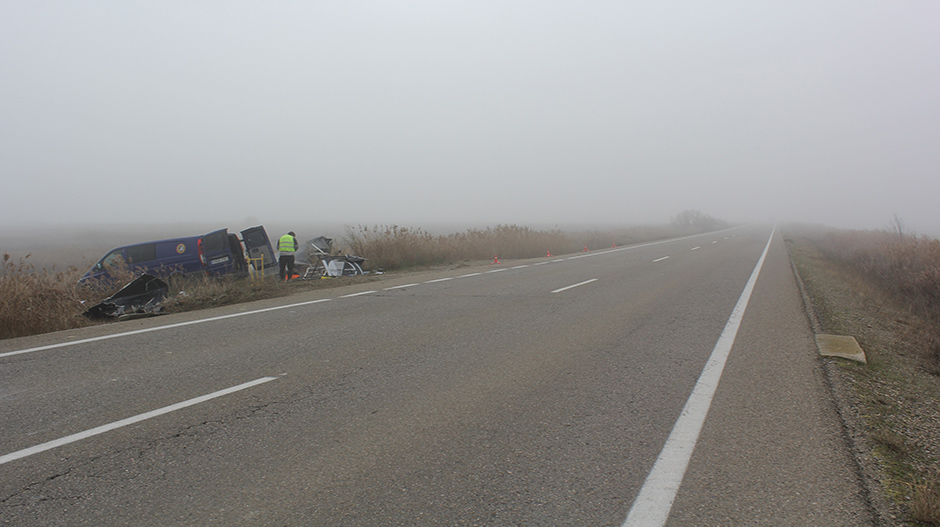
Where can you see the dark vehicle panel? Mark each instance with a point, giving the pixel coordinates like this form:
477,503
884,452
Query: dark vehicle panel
162,257
215,253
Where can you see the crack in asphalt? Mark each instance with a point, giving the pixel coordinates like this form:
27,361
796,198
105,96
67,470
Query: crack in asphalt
33,492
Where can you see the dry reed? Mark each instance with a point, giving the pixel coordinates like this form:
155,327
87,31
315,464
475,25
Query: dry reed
393,247
33,302
905,265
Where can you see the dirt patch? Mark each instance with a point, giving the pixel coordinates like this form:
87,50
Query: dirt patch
891,405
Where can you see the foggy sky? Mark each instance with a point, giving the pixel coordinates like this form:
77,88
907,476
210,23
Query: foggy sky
416,113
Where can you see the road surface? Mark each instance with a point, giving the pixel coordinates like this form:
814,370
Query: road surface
671,383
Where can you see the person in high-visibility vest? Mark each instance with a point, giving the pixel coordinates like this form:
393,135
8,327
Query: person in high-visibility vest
287,246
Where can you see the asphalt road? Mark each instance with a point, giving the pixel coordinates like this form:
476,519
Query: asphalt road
536,392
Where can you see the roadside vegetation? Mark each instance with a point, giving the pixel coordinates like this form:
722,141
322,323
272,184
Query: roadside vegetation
883,288
392,247
34,301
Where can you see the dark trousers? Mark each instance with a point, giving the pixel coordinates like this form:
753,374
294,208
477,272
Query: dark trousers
286,262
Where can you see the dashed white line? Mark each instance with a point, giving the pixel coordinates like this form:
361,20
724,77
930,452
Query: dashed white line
575,285
289,306
697,247
496,271
358,294
469,275
124,422
661,259
399,287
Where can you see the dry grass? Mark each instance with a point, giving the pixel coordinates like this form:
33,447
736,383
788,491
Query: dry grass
393,247
33,302
879,286
907,268
40,301
925,502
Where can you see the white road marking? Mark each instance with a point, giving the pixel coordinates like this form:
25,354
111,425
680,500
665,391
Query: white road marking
519,267
654,502
358,294
469,275
439,280
124,422
159,328
399,287
661,259
288,306
496,271
575,285
697,247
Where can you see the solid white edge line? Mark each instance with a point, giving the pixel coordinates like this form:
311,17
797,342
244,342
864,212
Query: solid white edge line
159,328
575,285
6,458
654,502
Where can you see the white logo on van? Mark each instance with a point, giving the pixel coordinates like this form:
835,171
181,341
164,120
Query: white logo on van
181,248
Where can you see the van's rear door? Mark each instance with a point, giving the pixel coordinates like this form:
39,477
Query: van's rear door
215,253
258,246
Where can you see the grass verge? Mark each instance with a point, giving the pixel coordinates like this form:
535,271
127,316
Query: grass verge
896,394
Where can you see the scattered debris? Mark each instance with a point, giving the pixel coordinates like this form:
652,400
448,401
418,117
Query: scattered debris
142,296
325,264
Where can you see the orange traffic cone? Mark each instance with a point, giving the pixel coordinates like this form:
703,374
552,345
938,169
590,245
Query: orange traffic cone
614,246
585,249
495,260
548,254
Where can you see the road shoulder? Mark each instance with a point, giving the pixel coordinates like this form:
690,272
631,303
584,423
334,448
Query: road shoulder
773,451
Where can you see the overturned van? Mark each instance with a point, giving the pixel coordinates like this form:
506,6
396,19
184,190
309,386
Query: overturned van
215,253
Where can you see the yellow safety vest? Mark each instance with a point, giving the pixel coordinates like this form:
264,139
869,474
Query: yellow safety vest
286,244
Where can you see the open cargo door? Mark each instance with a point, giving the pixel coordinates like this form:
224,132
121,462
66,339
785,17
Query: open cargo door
258,246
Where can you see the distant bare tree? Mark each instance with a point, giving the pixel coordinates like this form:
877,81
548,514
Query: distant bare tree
694,219
896,227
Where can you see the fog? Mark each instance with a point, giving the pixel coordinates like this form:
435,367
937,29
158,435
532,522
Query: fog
231,114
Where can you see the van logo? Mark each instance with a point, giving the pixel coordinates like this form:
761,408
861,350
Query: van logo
181,248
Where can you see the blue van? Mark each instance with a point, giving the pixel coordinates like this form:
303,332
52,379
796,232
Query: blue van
215,253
